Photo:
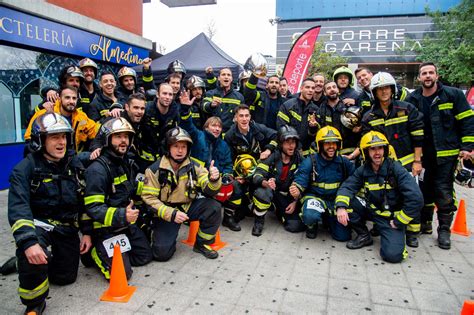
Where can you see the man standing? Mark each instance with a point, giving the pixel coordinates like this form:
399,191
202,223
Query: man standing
89,88
448,134
344,79
319,97
171,189
196,87
44,204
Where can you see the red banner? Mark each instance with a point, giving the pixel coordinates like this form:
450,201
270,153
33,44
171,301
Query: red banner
296,66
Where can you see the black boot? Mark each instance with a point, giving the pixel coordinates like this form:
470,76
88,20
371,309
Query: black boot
375,231
9,266
312,232
412,240
229,221
205,250
362,239
36,310
427,227
444,230
427,220
258,225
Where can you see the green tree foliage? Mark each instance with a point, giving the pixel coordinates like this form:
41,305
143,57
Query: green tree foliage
452,47
325,62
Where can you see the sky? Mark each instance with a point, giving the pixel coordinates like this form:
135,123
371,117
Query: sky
242,26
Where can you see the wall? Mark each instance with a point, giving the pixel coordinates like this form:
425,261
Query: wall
124,14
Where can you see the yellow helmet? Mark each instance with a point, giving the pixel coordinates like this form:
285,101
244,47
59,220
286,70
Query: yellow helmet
373,139
245,165
328,134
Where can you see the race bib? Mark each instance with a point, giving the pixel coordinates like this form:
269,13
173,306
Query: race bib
121,240
315,204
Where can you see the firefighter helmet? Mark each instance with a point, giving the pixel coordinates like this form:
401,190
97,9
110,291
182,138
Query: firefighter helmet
351,117
87,62
257,64
127,71
328,134
244,75
287,132
464,173
116,125
382,79
46,124
346,71
176,66
70,71
227,188
245,165
373,139
195,82
177,134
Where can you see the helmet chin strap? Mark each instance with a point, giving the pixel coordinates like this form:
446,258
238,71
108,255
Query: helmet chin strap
178,161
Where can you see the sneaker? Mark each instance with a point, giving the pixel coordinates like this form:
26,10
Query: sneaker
36,310
205,250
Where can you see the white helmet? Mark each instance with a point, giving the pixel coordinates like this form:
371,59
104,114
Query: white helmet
383,79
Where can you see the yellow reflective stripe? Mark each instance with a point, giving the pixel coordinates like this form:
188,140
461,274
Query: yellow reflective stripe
22,222
418,132
85,217
377,186
34,293
402,217
385,213
414,227
398,120
283,116
85,100
205,236
147,156
120,179
444,153
236,202
202,179
186,117
250,85
47,180
366,104
210,81
407,159
198,161
306,152
328,118
273,143
343,199
429,204
196,115
230,101
161,211
150,190
208,99
445,106
94,198
464,114
252,107
147,78
260,205
109,216
263,166
404,94
140,188
377,122
104,112
295,115
467,139
347,151
327,185
99,264
213,186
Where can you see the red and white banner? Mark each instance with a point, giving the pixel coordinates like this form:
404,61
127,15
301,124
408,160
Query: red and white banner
296,66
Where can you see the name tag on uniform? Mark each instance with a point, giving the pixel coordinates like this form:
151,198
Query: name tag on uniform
121,240
315,204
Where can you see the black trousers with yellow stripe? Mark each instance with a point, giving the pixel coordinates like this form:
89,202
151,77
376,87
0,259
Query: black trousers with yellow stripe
63,263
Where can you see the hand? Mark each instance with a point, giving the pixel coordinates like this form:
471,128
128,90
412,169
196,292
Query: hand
312,120
49,106
116,112
466,155
392,224
86,244
180,217
416,168
265,154
342,216
95,154
52,96
269,184
131,213
36,255
147,63
184,98
216,101
209,70
213,172
294,191
349,101
291,208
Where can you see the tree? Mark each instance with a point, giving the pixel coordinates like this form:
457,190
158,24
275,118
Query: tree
324,62
211,29
452,47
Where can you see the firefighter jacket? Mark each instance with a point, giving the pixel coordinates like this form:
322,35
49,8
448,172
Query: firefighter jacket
331,116
260,102
272,167
206,147
258,139
110,186
86,98
391,192
147,78
225,111
101,105
44,191
155,126
403,126
295,113
365,99
321,178
452,121
85,129
167,192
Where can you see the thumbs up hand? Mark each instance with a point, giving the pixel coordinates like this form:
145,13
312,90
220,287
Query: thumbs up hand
213,172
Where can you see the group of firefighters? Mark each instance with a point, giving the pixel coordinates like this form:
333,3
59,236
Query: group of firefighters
104,166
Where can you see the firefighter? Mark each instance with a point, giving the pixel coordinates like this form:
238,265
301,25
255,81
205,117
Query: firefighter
127,78
273,177
402,125
172,185
111,187
195,88
345,80
317,179
108,99
392,199
448,134
89,88
44,204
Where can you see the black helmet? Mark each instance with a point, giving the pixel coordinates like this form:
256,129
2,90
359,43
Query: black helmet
49,123
287,132
176,66
464,173
70,71
116,125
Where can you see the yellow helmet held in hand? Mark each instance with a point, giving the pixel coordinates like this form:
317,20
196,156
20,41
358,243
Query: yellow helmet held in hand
328,134
245,165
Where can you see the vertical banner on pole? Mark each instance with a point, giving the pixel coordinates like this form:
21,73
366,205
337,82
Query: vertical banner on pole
296,66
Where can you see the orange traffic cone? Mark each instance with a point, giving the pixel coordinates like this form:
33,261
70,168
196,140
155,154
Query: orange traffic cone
218,244
119,290
460,223
193,229
468,308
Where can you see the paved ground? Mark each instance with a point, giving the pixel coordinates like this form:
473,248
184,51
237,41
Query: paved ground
276,273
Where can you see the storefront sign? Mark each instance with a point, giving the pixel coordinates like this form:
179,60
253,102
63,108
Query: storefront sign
25,29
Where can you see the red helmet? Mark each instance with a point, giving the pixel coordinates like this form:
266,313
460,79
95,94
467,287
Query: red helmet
227,188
